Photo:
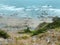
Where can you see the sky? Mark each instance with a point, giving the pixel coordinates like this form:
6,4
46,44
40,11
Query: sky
24,3
11,6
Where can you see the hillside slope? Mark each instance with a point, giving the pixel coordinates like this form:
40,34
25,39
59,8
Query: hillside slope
47,26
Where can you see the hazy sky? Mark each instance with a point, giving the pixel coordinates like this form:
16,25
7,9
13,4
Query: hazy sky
23,3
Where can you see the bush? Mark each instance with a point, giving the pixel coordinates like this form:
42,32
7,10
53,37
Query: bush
3,34
27,30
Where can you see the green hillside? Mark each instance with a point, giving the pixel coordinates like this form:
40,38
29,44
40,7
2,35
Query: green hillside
46,26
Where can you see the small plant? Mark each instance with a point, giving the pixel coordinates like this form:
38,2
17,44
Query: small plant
25,36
